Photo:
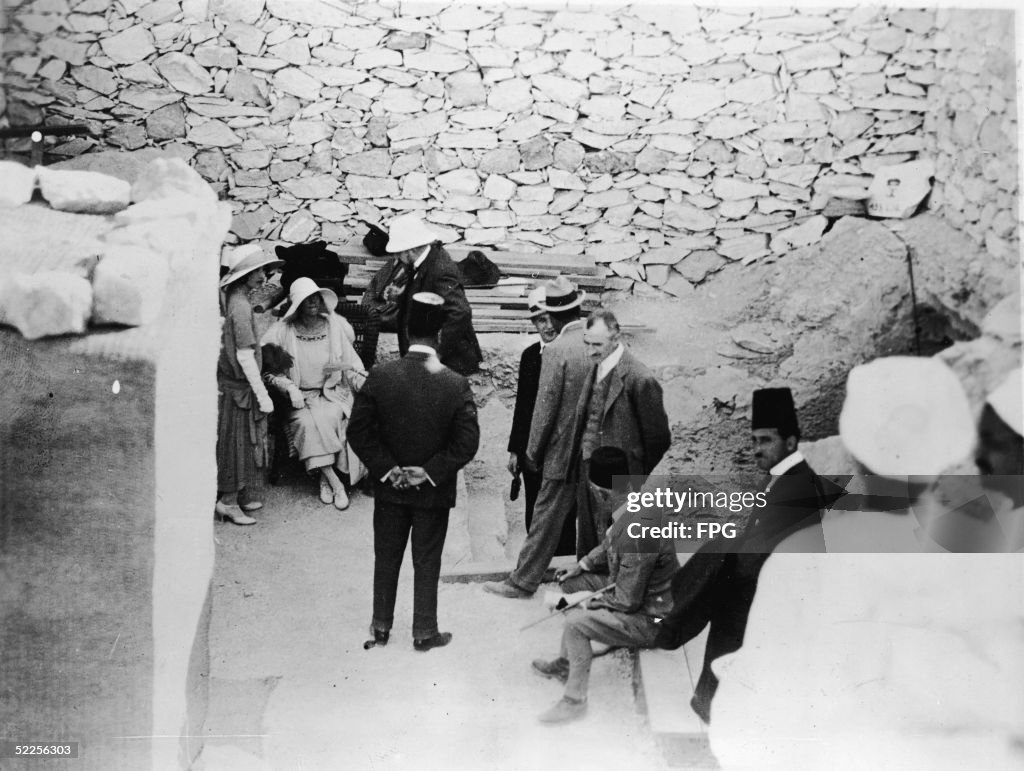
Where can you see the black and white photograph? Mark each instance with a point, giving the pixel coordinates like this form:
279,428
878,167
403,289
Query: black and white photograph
401,385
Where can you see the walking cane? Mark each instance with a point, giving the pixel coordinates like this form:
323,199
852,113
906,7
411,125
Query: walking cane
569,606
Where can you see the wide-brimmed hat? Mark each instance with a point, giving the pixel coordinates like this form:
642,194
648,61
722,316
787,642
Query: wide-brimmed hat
906,416
305,287
235,254
561,294
1006,400
408,231
534,301
252,259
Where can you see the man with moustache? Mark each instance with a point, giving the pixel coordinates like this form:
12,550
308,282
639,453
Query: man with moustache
716,585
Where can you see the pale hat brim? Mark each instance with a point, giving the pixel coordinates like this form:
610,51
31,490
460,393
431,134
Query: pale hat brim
409,232
906,416
304,288
1007,399
580,297
247,265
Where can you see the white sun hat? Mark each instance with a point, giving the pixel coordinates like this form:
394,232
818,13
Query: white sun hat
407,231
304,287
906,416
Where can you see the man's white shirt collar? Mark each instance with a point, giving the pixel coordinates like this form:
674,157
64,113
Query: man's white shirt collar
419,260
417,348
609,363
786,464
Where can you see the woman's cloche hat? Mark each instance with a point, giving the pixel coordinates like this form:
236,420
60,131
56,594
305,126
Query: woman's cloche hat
302,288
244,260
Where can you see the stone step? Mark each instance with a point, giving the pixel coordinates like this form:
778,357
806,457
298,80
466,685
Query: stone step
494,570
663,682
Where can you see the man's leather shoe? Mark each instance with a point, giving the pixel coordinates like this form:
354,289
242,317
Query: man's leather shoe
556,670
565,711
505,589
381,638
439,640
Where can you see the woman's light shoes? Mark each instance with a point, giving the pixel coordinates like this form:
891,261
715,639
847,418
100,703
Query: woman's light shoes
341,499
232,513
326,493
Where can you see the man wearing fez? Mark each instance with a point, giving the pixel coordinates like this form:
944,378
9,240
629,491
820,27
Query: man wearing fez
526,400
414,425
716,585
634,573
564,369
621,406
429,269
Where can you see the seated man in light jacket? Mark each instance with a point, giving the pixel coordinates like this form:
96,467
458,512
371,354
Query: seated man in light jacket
638,571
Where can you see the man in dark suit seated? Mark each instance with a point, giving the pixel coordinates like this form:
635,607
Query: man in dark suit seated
526,399
414,425
716,585
429,268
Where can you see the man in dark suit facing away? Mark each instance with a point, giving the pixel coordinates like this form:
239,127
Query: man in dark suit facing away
414,425
526,399
716,585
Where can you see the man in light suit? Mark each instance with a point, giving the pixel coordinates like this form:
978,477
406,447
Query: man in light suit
563,371
428,268
414,425
621,406
522,416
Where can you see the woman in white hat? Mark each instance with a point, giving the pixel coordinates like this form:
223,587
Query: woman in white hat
897,660
243,399
328,372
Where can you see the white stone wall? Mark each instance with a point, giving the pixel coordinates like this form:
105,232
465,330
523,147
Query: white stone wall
972,129
665,140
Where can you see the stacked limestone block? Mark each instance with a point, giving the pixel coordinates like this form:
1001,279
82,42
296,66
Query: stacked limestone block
664,140
107,477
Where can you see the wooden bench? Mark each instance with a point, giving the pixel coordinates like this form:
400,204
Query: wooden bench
502,308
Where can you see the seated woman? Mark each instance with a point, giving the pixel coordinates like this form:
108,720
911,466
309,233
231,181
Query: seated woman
327,371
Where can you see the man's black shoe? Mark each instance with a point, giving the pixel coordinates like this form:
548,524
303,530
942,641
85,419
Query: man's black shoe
439,640
379,638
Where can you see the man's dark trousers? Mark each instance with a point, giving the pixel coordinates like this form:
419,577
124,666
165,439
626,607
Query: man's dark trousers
392,525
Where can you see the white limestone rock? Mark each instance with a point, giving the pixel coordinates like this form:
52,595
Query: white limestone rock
417,128
461,18
684,216
813,56
499,188
732,189
298,82
694,99
171,178
371,187
743,247
315,13
318,186
46,303
465,89
184,73
430,61
461,181
128,46
727,127
510,96
17,183
213,133
481,139
128,286
808,232
84,192
564,91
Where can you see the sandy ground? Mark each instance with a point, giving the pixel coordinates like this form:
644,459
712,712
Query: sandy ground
292,687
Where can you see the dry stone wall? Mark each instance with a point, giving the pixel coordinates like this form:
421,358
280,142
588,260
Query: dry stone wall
666,141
